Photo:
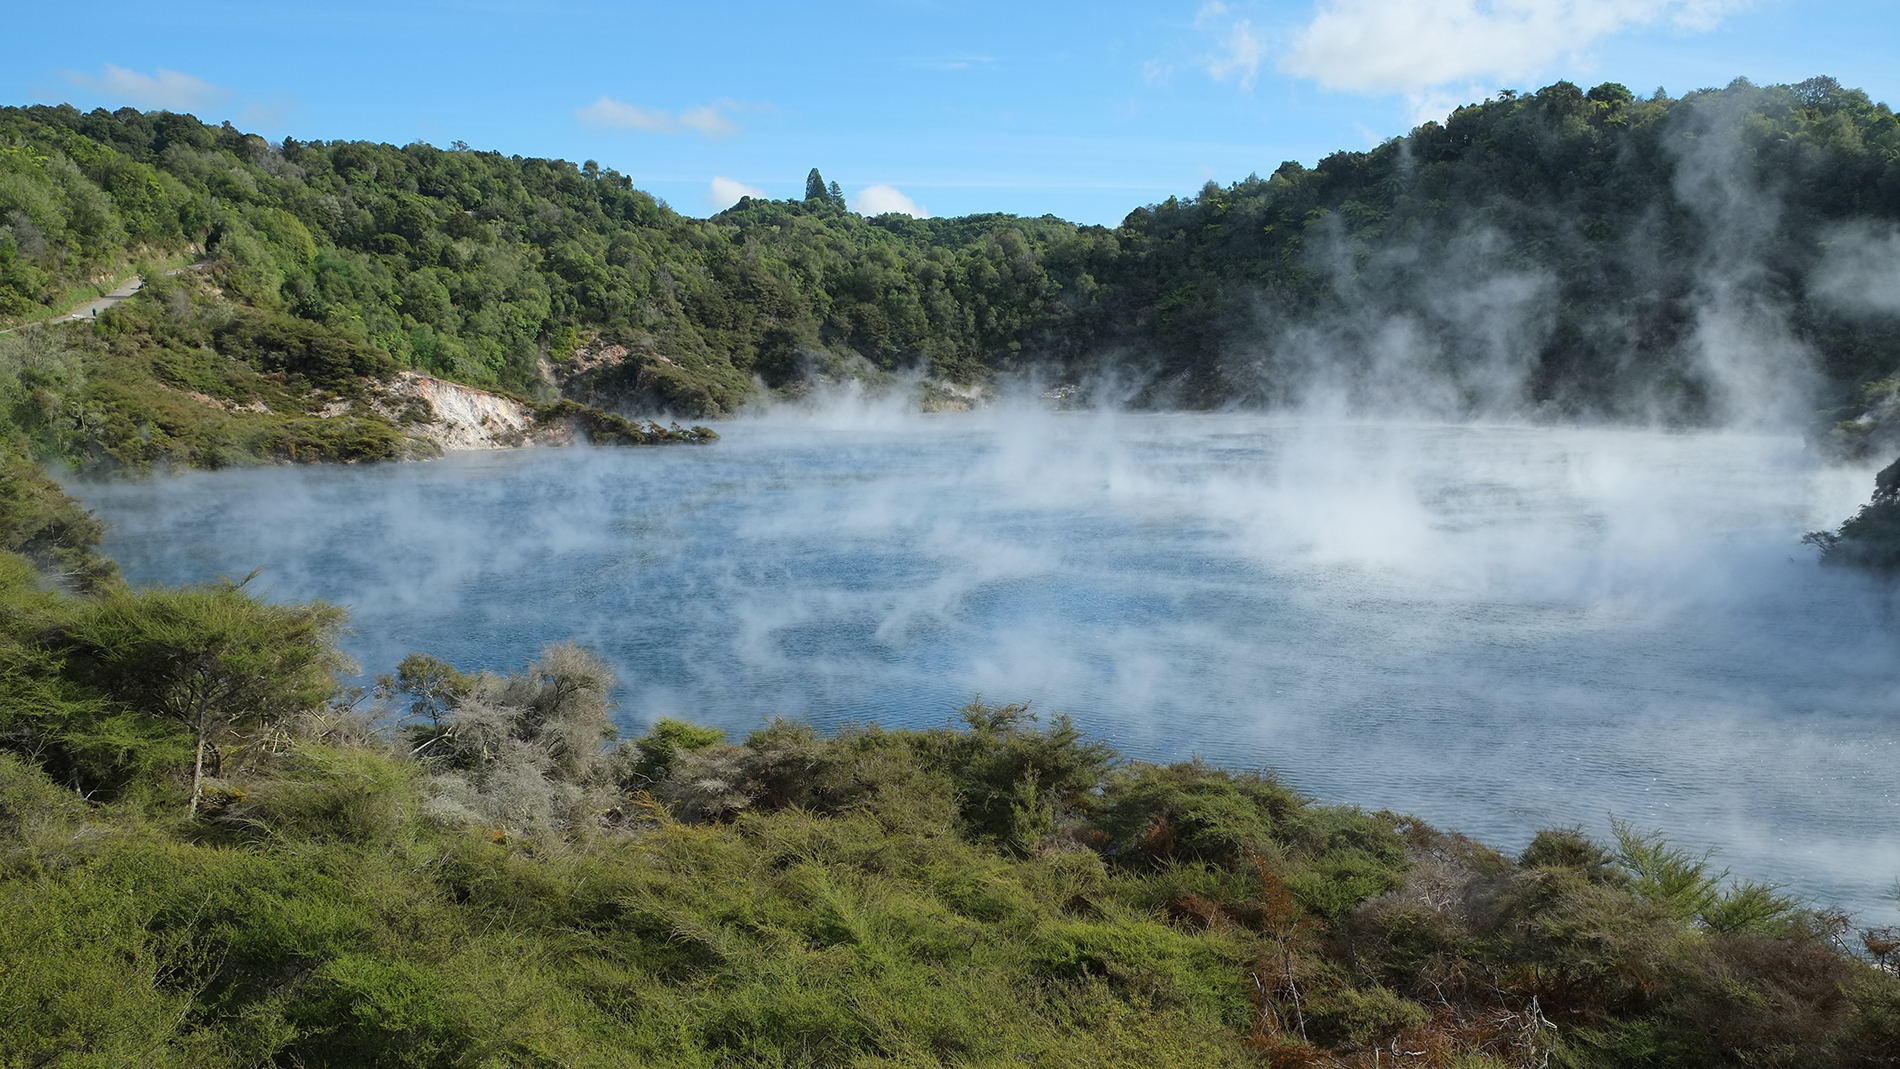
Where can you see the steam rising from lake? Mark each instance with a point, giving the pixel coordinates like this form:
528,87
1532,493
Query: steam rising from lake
1495,628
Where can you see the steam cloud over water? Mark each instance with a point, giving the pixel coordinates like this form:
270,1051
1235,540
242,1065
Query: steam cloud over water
1497,628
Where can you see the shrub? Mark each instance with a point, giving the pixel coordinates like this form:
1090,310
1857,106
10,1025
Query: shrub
1010,778
1570,848
360,1009
1358,1017
41,523
1190,812
521,751
331,794
654,753
1153,962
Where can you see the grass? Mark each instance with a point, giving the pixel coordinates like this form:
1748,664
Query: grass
322,916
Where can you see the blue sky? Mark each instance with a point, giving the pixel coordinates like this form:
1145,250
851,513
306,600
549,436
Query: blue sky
948,106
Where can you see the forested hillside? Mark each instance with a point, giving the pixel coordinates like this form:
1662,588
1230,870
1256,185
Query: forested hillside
1596,254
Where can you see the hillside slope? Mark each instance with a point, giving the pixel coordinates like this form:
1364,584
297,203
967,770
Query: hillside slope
184,376
1591,254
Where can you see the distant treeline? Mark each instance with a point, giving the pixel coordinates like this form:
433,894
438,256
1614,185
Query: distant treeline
1594,253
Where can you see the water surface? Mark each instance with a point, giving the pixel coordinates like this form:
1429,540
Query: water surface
1494,628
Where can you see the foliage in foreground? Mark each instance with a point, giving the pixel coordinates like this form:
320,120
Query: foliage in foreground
53,532
490,880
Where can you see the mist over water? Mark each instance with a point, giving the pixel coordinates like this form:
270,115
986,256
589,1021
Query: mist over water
1497,628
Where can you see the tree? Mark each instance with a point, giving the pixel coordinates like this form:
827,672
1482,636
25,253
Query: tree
435,690
815,186
210,658
1870,538
558,711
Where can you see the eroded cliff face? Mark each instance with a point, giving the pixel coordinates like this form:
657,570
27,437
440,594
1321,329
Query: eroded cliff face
460,418
446,417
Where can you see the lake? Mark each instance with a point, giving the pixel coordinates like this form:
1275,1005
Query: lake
1496,628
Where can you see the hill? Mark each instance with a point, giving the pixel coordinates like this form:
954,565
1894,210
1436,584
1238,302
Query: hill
1583,254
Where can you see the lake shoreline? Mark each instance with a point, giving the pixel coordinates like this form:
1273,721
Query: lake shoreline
1330,600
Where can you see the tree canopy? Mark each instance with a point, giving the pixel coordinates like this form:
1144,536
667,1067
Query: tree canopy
1565,248
210,659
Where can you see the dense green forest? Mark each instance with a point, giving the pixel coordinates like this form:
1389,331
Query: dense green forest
211,855
1593,254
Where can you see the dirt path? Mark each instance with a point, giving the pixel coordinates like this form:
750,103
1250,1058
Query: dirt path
92,308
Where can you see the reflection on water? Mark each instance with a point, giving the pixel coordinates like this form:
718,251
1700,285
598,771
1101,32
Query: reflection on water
1495,628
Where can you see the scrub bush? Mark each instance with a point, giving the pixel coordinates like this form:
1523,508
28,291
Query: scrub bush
486,881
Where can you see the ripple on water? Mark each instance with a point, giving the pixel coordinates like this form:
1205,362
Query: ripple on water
1495,628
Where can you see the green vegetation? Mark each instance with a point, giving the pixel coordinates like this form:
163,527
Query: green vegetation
183,376
40,523
1593,238
178,378
1870,538
210,856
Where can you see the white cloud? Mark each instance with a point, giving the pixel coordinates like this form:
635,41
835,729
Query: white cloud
1414,46
955,61
168,90
1241,58
725,192
708,121
881,199
1241,50
610,114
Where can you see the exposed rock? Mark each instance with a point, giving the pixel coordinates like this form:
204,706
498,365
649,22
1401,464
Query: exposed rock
935,395
460,418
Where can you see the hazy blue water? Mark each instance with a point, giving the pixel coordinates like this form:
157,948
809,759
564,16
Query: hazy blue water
1497,629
